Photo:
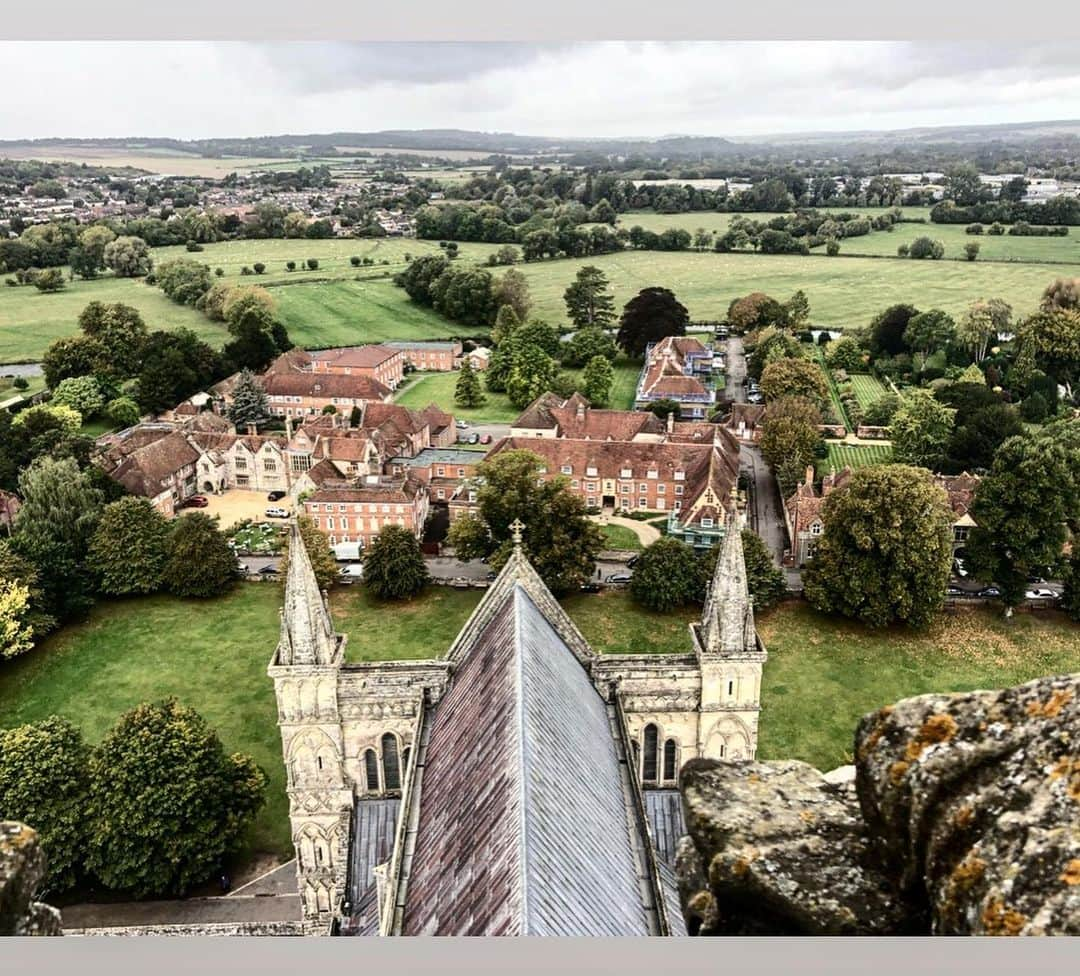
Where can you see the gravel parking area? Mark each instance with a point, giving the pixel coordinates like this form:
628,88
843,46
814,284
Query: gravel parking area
236,505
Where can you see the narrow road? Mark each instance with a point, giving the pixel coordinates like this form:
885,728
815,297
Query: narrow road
735,387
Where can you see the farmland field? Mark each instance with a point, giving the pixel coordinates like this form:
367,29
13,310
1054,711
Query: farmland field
328,306
856,456
867,389
152,160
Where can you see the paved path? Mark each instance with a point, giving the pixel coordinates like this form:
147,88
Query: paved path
647,534
735,382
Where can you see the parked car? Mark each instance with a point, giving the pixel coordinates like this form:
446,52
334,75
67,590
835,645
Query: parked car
276,513
275,496
485,439
195,501
1040,593
492,575
268,571
591,587
618,578
1035,578
474,438
989,592
461,425
243,568
352,571
955,591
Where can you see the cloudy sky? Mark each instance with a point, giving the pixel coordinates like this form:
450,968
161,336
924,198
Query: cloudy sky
200,89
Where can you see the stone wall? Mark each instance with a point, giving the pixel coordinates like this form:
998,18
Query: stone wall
22,869
221,928
964,819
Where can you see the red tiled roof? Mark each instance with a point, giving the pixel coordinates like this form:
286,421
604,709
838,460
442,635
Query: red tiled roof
355,357
325,386
391,490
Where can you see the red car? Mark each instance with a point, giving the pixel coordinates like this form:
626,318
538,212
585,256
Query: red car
486,439
195,501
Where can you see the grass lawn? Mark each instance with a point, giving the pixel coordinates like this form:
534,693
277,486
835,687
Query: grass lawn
211,655
439,388
620,537
867,389
856,456
824,673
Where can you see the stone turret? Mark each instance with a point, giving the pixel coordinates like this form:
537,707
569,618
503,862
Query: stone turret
307,632
305,670
731,657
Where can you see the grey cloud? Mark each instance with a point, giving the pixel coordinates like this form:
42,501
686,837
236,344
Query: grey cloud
309,67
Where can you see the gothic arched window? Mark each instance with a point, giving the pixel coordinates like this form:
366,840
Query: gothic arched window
649,761
371,770
671,751
391,766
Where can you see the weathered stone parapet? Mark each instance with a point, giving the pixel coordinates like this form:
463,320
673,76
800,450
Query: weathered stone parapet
213,928
964,819
22,869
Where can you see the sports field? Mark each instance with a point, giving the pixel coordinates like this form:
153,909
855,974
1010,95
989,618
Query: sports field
856,456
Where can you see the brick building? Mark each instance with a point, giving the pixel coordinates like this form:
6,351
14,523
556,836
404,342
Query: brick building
678,368
385,364
443,470
435,357
356,512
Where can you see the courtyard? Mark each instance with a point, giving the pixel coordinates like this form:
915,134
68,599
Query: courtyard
239,505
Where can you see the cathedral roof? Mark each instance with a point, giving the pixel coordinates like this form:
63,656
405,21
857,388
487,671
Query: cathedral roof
525,813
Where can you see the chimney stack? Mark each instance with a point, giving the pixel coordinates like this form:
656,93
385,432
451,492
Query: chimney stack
809,476
671,422
252,429
581,410
288,428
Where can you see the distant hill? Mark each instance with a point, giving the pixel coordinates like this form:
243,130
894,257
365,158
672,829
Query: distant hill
1048,134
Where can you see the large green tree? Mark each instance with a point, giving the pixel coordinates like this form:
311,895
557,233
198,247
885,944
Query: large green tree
589,303
81,393
648,317
60,511
790,435
559,539
666,575
199,561
511,289
794,377
886,550
928,332
394,567
129,257
597,380
532,373
45,782
587,343
468,393
128,548
168,805
119,333
174,365
887,329
921,429
250,404
1025,508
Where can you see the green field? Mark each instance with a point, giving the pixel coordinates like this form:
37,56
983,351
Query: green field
30,320
1054,250
867,389
856,456
823,673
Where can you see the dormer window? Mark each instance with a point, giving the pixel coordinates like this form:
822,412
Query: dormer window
815,529
591,471
567,469
652,474
680,475
626,473
706,523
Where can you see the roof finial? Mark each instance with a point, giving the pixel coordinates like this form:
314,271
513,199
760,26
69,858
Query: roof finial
515,528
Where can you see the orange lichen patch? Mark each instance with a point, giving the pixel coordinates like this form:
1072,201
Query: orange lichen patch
806,816
753,778
937,728
1052,706
967,872
964,816
998,919
897,772
1071,874
1069,768
740,867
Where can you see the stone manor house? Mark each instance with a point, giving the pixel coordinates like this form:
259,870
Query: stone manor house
520,783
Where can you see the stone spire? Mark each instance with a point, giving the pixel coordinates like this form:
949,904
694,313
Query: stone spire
307,633
727,625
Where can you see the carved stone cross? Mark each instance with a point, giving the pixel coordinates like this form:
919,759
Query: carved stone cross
515,527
